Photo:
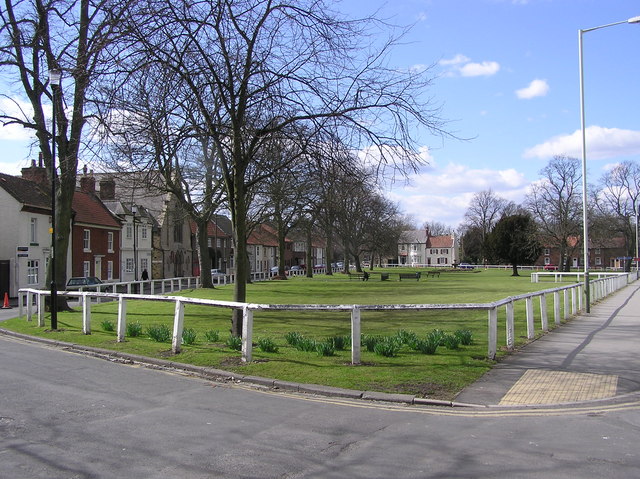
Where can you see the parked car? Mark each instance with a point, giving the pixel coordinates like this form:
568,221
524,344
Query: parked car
466,266
216,273
550,267
296,268
86,283
274,269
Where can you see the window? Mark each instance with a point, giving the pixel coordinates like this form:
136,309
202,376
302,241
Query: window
257,250
444,251
34,231
129,265
109,270
177,233
110,242
209,242
414,247
32,272
86,268
219,243
401,247
597,250
598,261
143,232
129,232
86,241
547,261
547,251
144,264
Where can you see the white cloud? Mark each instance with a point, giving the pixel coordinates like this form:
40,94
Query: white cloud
457,60
602,143
480,69
536,88
18,109
462,65
422,16
443,194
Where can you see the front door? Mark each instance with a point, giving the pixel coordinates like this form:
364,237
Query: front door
575,262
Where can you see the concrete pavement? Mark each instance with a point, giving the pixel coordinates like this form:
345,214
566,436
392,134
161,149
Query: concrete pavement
593,356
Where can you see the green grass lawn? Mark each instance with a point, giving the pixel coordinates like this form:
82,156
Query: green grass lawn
440,375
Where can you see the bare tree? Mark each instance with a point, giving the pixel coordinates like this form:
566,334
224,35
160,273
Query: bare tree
485,210
554,202
77,38
257,67
436,228
619,199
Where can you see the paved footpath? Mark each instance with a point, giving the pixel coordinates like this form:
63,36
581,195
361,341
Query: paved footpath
592,356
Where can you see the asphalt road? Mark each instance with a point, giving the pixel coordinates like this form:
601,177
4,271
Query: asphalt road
65,415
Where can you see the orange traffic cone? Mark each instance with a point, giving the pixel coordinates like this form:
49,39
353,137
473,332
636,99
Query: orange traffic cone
6,301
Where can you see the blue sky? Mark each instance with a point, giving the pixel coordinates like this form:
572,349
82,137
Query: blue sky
507,79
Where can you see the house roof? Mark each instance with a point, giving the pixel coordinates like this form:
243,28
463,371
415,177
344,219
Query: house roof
212,229
413,236
27,192
90,210
263,235
445,241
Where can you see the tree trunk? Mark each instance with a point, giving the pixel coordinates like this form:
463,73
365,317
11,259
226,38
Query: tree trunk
329,251
203,254
515,270
309,251
239,218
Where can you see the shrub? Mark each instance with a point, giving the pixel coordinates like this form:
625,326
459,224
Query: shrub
189,336
234,342
338,342
465,336
267,345
370,342
325,348
427,346
293,338
451,341
159,332
107,325
406,337
134,329
212,336
306,344
437,335
387,347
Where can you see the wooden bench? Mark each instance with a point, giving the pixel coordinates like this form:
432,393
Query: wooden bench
359,276
415,276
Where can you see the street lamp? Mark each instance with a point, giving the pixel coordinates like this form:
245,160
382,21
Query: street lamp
585,233
55,77
637,251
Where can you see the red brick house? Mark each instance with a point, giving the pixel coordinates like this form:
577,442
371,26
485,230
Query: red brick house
603,253
95,235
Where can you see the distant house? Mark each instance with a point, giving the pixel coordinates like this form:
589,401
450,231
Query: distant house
219,242
262,248
25,238
95,235
603,253
419,248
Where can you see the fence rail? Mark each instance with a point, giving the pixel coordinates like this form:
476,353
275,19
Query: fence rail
566,299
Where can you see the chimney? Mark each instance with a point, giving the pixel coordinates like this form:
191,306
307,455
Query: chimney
108,190
87,182
37,174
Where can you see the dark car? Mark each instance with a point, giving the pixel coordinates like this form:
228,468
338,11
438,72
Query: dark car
550,267
86,283
465,266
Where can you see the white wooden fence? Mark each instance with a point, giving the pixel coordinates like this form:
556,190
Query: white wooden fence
568,299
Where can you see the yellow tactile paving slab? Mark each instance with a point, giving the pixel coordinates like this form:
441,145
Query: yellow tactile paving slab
538,386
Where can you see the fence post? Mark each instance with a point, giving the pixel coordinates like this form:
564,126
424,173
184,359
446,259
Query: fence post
247,334
510,327
355,336
576,294
29,306
556,307
566,304
493,333
544,318
178,323
86,314
122,318
40,300
530,324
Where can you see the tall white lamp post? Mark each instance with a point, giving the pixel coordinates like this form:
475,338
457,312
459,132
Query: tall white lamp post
585,233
